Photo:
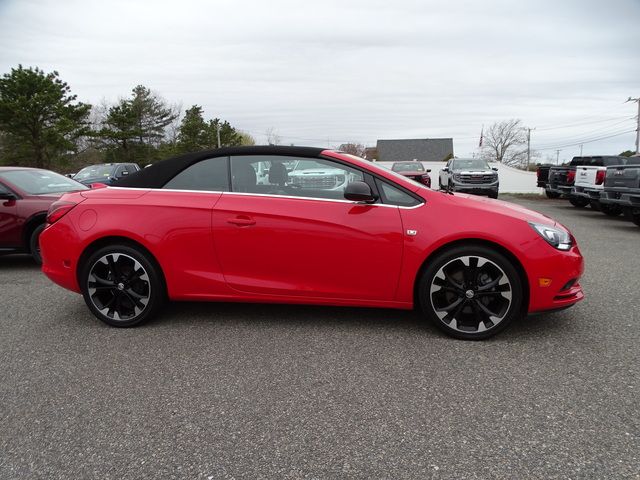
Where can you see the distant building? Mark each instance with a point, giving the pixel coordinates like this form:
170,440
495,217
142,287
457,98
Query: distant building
421,149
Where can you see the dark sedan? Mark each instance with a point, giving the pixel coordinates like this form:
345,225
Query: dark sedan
414,170
106,173
25,197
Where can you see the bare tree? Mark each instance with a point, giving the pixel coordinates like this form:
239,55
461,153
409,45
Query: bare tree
272,137
504,142
356,149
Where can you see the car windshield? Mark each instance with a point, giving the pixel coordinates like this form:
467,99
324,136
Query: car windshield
41,182
408,167
470,164
94,171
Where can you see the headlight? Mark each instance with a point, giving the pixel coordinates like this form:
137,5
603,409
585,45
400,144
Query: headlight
556,237
457,177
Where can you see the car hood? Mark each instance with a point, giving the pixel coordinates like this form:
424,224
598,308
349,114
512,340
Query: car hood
412,173
500,207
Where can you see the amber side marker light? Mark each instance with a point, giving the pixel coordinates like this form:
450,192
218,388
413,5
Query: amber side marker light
544,282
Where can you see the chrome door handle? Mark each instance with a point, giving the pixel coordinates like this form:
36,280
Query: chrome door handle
242,221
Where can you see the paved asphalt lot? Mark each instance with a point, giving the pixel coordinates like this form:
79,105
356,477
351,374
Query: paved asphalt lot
241,391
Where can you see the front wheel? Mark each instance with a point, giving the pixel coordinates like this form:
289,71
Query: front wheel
34,244
493,194
470,292
578,202
636,218
122,285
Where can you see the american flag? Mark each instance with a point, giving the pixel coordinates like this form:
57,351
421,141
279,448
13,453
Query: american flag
481,132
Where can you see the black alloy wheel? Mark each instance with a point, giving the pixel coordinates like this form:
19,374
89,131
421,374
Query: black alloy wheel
471,292
122,286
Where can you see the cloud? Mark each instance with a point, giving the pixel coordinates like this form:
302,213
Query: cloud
335,71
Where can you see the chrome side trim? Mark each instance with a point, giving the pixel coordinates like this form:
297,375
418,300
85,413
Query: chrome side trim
249,194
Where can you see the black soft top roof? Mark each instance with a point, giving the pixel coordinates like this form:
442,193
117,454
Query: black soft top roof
161,172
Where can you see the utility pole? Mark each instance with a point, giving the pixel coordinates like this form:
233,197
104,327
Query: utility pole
218,133
580,149
637,100
558,156
529,146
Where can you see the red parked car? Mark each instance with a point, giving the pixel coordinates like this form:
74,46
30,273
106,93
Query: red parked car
202,227
25,196
414,170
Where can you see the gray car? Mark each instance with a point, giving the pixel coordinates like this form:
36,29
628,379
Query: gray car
470,175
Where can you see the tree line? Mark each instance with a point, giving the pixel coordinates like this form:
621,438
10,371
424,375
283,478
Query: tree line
42,124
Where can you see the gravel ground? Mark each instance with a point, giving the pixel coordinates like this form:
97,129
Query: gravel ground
257,391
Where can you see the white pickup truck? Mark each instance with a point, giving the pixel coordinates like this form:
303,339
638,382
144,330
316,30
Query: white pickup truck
589,183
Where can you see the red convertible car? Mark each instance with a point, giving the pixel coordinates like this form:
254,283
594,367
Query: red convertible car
206,226
25,196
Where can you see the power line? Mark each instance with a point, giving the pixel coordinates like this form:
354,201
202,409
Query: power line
585,141
586,135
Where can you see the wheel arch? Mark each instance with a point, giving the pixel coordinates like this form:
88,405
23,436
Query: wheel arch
469,242
101,242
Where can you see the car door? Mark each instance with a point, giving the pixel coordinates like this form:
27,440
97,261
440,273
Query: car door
298,236
9,221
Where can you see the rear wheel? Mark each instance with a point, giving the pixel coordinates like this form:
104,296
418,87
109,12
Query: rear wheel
578,202
34,244
636,218
551,194
595,205
470,292
611,210
122,285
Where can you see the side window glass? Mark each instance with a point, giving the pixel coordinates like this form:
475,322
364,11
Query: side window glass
3,189
394,196
210,175
291,176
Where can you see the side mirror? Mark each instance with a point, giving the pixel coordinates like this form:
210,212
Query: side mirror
7,196
495,169
445,169
428,170
359,192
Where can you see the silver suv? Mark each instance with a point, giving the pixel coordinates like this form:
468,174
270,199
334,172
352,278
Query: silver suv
470,175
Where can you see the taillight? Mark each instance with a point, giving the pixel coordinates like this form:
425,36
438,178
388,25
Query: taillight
600,174
59,209
571,176
538,173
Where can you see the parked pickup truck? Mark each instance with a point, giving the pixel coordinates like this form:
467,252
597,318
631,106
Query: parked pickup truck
561,178
542,176
622,188
589,183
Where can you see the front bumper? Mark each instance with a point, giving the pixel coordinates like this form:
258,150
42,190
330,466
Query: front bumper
482,188
554,280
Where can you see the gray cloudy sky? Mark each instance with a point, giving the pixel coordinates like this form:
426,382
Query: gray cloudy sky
328,72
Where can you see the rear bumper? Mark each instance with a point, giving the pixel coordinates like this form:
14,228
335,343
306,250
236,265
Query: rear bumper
621,196
586,192
59,256
560,189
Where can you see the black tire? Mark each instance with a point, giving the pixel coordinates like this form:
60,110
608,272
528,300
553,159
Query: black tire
636,218
578,202
551,194
610,210
493,194
595,205
34,244
494,283
122,285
